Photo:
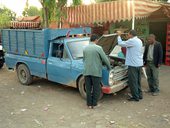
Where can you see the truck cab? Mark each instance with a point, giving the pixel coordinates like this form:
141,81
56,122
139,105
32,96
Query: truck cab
57,55
66,58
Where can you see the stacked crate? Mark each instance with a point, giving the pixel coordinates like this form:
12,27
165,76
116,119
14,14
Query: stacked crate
167,59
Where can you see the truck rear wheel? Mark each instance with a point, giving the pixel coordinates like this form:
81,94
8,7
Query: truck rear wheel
24,74
82,88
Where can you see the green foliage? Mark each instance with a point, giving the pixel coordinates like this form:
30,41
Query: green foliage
104,0
6,16
31,11
53,10
77,2
24,13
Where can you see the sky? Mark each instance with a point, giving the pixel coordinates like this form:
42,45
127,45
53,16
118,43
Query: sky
18,5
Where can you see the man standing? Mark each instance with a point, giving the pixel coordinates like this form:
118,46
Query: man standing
153,59
134,61
94,57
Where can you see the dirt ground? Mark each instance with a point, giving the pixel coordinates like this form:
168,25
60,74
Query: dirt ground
46,104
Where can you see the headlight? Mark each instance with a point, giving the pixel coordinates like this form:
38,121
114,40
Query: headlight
111,81
111,75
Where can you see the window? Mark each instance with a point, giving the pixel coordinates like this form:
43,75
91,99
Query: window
76,48
59,51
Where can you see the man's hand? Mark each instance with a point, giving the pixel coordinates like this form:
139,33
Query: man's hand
119,33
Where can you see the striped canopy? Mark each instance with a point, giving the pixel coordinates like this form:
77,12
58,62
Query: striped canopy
113,11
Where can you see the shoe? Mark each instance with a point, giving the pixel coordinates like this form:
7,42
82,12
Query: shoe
148,91
90,107
141,97
155,93
96,106
133,99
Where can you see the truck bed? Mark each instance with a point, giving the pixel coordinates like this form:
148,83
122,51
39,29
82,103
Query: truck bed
25,42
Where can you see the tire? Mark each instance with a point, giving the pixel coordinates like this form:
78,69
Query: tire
24,75
82,88
1,64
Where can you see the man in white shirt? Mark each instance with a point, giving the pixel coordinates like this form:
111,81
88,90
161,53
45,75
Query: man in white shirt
134,61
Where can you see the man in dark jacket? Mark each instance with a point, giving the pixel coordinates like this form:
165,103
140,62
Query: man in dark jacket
94,58
152,60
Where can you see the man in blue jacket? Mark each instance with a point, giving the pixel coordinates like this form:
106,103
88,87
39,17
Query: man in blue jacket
134,61
152,60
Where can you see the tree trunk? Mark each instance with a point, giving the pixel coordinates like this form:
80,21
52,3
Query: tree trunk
45,17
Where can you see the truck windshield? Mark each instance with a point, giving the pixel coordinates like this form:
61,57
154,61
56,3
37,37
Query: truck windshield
76,48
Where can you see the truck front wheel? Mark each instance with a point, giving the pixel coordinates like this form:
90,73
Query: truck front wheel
82,88
24,74
1,64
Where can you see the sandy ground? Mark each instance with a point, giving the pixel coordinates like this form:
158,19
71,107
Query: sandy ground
46,104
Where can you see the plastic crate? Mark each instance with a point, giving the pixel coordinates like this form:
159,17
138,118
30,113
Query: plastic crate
167,57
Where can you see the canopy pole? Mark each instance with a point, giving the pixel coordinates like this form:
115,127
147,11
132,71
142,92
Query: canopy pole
133,14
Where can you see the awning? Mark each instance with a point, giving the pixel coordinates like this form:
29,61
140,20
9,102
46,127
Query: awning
112,11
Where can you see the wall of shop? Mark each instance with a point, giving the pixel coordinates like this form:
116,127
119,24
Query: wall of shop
141,26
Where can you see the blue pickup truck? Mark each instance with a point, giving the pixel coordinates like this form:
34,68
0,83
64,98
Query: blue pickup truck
57,55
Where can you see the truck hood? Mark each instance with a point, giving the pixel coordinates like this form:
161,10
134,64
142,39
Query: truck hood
108,42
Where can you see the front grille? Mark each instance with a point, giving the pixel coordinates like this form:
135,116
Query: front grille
119,74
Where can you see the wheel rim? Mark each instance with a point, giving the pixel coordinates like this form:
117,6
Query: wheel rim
22,75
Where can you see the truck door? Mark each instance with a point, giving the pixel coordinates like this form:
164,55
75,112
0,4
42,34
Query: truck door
59,64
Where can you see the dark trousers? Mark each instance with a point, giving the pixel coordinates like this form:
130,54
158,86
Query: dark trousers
93,89
134,79
152,73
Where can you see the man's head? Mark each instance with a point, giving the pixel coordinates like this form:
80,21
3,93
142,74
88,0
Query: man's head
132,33
94,38
151,39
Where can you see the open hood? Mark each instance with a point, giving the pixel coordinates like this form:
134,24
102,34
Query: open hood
108,42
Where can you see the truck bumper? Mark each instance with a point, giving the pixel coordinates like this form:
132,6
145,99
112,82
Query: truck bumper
115,88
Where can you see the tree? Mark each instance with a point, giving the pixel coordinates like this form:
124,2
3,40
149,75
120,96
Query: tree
77,2
24,13
6,16
52,10
104,0
31,11
48,9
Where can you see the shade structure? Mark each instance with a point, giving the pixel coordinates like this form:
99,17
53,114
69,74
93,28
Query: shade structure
113,11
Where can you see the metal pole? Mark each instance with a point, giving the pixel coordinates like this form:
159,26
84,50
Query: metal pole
133,14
